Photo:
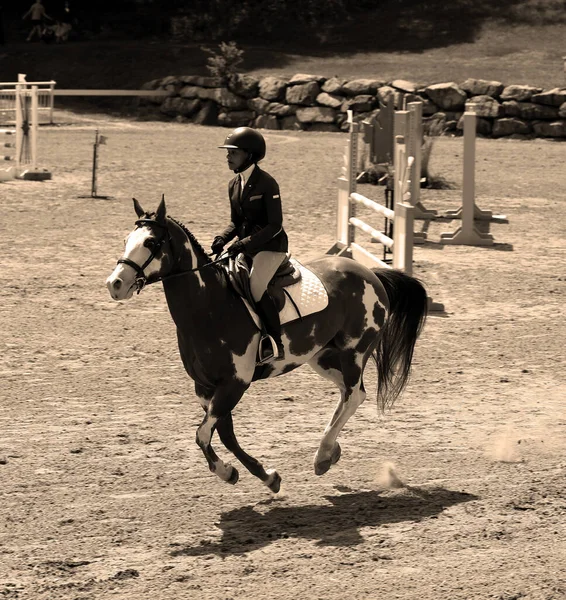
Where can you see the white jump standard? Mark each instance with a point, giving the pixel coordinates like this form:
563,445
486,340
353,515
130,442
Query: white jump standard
24,157
401,245
467,234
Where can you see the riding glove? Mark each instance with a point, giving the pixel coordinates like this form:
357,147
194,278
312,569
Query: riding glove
236,248
218,244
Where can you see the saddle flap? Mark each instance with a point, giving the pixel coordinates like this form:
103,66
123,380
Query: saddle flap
238,270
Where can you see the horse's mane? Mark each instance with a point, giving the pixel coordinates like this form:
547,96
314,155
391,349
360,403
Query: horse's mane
196,244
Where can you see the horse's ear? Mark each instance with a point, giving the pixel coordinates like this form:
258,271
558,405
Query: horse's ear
161,211
137,207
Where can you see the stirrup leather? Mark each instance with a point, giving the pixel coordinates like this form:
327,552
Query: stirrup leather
267,350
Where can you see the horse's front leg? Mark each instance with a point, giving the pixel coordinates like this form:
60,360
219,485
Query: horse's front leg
270,477
217,403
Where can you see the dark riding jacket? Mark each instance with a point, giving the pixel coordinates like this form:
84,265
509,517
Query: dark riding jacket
256,217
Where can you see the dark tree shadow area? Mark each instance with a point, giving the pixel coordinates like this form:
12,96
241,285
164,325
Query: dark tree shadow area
247,528
396,26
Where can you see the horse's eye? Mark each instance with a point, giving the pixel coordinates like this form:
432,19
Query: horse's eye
149,243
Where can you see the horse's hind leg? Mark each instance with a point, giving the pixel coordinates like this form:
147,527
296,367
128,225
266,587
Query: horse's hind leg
345,369
225,429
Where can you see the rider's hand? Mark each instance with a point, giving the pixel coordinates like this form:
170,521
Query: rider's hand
235,248
218,244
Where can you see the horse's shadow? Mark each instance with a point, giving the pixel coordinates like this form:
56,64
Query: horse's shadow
251,527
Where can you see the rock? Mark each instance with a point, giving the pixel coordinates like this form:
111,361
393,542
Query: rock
266,122
281,110
205,82
552,129
151,85
405,86
387,94
485,106
325,127
170,80
244,85
180,106
482,87
171,89
509,126
272,88
304,78
259,105
235,118
510,108
531,111
449,115
316,114
521,93
208,114
555,97
224,97
334,85
358,87
304,94
189,91
435,125
361,103
483,126
331,100
290,123
447,96
429,107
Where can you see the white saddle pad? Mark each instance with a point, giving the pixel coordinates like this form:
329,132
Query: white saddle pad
308,294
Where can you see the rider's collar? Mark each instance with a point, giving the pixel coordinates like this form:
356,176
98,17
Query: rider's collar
245,175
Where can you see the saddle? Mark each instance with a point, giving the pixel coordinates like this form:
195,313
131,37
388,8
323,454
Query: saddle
238,270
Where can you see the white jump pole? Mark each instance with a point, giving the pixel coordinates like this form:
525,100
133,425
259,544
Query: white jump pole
467,234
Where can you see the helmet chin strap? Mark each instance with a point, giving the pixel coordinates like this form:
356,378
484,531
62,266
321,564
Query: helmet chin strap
247,163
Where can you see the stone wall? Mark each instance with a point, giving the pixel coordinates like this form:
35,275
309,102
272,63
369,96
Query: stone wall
315,103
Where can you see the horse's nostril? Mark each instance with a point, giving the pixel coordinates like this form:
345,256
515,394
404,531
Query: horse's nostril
117,284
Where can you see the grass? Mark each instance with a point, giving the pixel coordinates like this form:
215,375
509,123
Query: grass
515,42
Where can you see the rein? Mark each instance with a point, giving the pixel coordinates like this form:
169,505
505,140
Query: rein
141,280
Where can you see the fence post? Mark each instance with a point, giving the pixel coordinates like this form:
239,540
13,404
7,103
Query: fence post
51,101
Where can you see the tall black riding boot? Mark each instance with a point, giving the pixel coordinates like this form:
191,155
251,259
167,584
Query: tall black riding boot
270,317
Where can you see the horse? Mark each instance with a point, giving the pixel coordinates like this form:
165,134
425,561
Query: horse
376,313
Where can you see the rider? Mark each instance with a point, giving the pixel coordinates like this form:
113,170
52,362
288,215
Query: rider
257,222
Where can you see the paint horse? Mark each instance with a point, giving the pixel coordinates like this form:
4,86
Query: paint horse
377,312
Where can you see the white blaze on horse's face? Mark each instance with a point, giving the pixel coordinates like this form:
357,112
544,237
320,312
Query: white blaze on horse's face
122,282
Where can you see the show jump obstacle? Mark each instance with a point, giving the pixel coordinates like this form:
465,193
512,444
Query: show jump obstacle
409,124
467,234
22,140
402,216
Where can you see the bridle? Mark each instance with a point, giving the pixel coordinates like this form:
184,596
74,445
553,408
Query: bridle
141,279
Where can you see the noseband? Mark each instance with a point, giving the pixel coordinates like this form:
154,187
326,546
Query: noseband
141,279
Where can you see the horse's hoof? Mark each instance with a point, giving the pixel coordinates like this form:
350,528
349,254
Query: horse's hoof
234,477
336,453
322,466
273,482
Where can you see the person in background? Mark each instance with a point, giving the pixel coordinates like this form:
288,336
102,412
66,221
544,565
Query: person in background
257,222
38,17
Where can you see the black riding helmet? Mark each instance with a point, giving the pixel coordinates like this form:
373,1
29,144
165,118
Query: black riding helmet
250,140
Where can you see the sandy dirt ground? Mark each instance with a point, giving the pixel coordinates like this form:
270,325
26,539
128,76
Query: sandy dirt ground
458,492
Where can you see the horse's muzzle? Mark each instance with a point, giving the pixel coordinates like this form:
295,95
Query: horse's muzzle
118,286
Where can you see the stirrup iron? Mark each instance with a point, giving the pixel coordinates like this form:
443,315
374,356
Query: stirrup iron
267,350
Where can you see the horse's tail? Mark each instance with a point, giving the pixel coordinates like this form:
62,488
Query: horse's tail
394,351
